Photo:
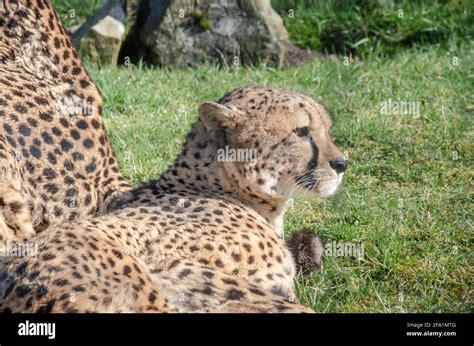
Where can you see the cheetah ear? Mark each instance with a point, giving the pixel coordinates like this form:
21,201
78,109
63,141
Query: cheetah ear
215,116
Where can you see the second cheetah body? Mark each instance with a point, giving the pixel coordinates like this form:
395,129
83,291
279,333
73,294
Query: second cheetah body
56,161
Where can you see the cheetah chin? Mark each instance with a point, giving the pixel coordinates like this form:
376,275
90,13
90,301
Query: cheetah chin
329,188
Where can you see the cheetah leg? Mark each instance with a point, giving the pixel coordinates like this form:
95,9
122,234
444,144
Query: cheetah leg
15,217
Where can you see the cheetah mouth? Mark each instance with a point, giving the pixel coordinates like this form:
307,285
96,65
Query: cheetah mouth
330,187
322,182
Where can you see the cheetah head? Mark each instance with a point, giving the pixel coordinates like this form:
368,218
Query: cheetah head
276,143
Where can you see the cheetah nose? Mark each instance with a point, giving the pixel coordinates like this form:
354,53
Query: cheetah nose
339,165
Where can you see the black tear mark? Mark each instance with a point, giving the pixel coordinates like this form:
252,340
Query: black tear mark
307,179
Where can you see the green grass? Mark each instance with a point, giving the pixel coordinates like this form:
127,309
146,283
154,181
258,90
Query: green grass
407,195
381,28
73,12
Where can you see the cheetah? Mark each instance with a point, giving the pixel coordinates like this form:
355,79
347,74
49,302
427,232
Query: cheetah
208,234
56,162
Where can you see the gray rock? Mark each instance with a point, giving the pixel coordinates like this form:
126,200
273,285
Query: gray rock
184,33
102,43
100,36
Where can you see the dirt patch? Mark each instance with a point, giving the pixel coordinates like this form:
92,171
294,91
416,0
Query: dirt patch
298,56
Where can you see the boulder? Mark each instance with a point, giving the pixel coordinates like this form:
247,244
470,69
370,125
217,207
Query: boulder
184,33
102,42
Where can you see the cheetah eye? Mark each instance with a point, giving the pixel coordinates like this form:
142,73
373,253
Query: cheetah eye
302,132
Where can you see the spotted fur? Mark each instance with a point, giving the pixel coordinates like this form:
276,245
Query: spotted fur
207,235
56,162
